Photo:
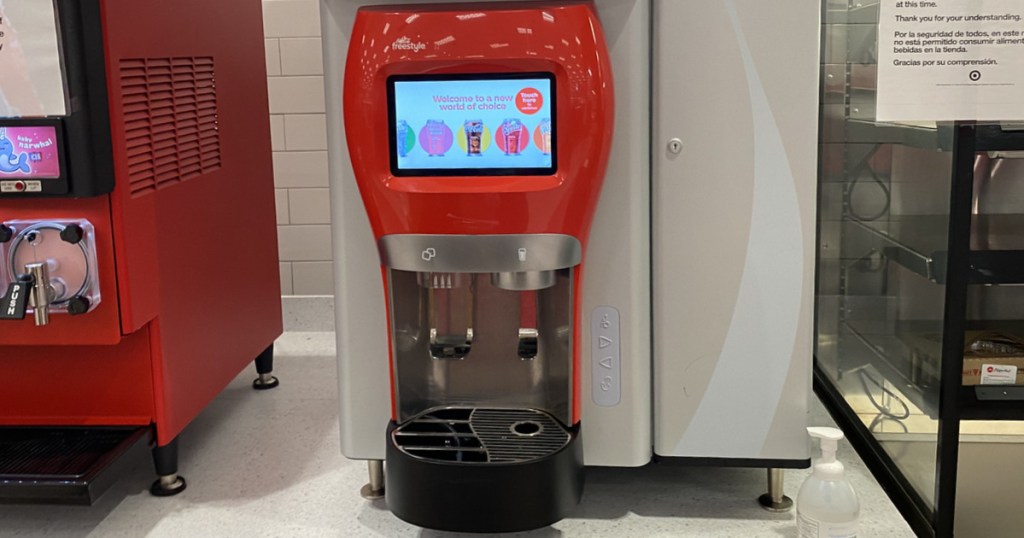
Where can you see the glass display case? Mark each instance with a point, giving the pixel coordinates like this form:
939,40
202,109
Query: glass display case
920,295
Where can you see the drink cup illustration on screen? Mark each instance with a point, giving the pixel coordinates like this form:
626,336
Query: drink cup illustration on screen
512,131
402,138
545,136
435,137
474,137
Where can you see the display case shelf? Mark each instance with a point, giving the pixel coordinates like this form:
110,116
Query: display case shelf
882,352
992,402
918,243
878,350
932,136
922,135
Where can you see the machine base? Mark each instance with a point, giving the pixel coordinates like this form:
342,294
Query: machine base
65,465
484,496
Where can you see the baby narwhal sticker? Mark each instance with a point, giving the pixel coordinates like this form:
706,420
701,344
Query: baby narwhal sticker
11,162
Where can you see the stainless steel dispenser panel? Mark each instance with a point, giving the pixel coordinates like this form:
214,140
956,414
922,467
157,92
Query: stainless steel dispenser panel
479,253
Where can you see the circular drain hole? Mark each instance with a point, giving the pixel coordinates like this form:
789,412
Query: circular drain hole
527,428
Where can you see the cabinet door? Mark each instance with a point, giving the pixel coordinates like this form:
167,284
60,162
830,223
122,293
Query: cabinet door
734,197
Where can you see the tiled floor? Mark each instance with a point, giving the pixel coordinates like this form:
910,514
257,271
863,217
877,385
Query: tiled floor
269,464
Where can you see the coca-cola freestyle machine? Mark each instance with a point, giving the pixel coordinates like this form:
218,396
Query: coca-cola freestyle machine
689,336
480,168
138,252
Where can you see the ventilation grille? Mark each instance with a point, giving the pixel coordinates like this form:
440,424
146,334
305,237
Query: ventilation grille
171,124
468,435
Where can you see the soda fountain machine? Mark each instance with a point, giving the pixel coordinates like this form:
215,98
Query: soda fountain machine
138,252
686,338
480,168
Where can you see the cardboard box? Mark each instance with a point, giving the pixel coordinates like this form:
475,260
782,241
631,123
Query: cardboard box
991,348
980,348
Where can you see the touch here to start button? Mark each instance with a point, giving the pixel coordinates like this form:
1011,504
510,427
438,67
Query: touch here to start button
17,186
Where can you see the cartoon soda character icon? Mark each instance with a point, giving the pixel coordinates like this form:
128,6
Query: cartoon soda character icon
402,138
512,130
435,137
474,137
545,136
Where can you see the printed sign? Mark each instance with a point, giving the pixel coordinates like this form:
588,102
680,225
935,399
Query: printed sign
29,153
998,374
946,60
31,78
473,124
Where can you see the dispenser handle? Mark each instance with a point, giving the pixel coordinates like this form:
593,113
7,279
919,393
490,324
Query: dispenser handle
15,302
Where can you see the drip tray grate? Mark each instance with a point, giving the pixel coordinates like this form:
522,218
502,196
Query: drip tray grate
65,465
482,435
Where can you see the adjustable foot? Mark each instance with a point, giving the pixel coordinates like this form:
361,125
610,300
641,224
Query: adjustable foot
775,500
168,486
374,489
165,460
264,367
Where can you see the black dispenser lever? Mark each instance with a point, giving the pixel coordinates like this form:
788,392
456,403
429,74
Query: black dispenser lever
15,301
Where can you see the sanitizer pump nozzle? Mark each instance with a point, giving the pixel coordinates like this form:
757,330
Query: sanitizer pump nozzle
827,506
830,437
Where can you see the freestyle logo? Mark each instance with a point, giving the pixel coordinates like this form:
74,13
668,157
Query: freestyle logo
404,43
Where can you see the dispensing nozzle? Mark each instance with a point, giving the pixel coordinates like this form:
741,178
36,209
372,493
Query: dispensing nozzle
41,294
450,346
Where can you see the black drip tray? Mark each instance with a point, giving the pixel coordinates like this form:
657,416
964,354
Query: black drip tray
64,465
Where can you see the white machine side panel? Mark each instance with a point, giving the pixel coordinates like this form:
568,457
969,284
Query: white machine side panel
617,268
734,225
363,381
618,255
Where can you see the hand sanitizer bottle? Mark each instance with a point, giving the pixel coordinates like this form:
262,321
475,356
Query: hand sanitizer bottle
827,506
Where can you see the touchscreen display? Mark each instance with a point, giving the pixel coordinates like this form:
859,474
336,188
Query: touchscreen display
29,152
497,124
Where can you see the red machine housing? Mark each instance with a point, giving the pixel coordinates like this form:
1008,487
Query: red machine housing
186,240
510,37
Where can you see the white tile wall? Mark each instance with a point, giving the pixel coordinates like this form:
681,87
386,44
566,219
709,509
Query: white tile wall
298,128
298,169
281,199
277,132
309,206
305,132
286,278
313,278
296,95
304,242
301,56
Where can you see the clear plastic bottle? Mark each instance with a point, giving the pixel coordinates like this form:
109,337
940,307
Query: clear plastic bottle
827,506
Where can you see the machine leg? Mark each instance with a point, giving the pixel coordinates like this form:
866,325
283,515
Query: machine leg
165,459
774,500
375,488
264,367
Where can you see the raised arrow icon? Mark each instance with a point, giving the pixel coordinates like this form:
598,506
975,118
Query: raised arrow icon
606,362
603,342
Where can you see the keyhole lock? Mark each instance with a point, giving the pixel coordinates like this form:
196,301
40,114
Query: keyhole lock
675,146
